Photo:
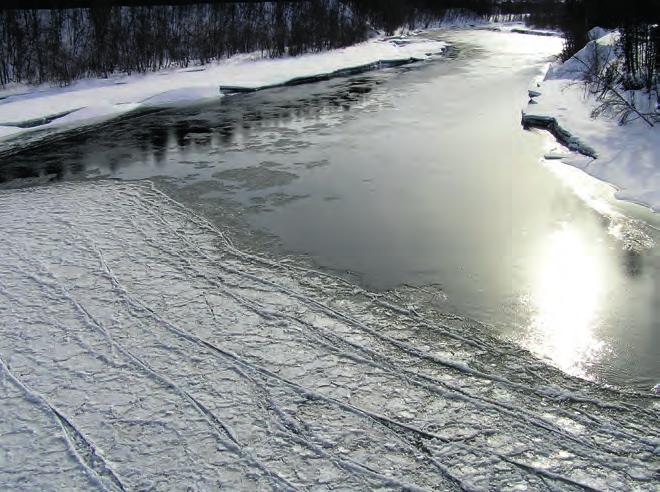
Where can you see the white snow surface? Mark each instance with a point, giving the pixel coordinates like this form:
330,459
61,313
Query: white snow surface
597,33
603,49
518,28
140,350
628,155
96,100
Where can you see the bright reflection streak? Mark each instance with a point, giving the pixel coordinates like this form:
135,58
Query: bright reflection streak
597,194
566,299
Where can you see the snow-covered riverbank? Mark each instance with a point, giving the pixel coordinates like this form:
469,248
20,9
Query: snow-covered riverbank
140,350
627,156
85,102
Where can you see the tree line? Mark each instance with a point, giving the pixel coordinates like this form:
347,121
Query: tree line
62,45
636,20
59,41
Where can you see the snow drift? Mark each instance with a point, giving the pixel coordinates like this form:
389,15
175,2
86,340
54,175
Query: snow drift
625,156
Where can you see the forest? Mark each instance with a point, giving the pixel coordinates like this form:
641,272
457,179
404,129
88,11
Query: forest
59,41
637,20
61,45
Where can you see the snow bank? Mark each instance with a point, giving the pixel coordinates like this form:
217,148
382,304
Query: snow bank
601,50
625,156
95,100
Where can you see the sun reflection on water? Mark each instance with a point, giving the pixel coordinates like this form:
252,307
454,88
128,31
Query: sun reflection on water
566,298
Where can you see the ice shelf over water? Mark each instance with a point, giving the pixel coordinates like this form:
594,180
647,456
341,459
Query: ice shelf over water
91,101
140,350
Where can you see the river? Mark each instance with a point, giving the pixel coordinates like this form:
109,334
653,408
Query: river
349,285
418,176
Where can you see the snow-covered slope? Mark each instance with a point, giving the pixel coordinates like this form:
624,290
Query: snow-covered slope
139,350
93,101
628,156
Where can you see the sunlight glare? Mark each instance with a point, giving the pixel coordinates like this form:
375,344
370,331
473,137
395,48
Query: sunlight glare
566,298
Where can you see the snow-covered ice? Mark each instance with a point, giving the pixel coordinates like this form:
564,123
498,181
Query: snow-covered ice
627,156
517,28
96,100
140,350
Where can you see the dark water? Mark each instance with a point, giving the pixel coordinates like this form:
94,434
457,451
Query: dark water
411,176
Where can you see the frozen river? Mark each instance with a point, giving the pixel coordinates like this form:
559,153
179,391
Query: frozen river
145,347
419,176
142,351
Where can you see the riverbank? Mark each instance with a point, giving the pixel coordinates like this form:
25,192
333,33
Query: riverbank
623,155
28,109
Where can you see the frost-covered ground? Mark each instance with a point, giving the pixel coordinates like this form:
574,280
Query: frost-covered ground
627,156
140,350
85,102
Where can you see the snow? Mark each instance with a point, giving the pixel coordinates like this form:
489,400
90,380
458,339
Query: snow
96,100
626,156
139,349
602,49
597,33
517,28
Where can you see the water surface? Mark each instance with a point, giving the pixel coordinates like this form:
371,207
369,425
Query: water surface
415,176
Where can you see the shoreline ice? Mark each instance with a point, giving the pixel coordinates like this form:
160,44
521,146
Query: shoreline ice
91,101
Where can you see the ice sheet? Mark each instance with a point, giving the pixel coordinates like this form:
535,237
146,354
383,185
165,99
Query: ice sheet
140,350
